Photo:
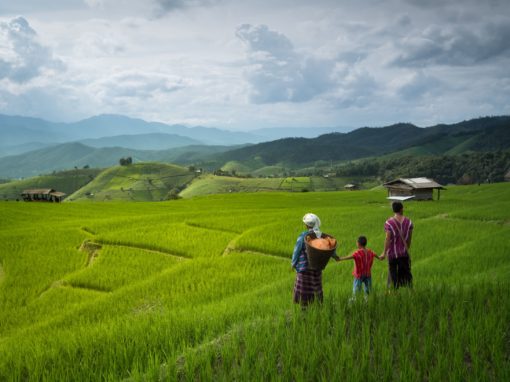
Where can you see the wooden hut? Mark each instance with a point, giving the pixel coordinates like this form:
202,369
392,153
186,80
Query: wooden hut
419,188
42,195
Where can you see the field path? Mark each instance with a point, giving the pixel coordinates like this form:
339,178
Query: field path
92,249
239,250
195,225
160,251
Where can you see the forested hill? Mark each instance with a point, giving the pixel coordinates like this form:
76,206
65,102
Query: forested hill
482,134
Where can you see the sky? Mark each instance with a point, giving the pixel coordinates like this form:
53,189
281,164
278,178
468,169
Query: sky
244,65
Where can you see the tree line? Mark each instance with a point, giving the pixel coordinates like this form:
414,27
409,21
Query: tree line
468,168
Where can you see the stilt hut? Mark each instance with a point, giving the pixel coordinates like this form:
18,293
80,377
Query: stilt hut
43,195
420,188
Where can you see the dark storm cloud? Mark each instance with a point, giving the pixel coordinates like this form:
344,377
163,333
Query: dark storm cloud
277,72
455,45
23,57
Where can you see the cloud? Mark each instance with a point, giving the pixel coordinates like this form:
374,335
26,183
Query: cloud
165,6
94,3
136,85
277,72
356,88
23,57
455,45
417,85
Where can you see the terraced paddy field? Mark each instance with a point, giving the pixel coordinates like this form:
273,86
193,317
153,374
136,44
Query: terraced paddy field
201,289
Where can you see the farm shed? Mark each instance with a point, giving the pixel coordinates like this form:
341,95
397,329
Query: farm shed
420,188
42,195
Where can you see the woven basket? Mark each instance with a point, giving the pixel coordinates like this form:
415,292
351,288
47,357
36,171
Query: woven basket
318,258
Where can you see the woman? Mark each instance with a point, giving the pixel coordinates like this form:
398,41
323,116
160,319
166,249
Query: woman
308,285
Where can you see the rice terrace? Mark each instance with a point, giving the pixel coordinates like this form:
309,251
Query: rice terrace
256,190
200,289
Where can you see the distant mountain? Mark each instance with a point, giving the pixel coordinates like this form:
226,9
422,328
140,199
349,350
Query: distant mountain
15,130
482,134
54,158
21,130
23,148
151,141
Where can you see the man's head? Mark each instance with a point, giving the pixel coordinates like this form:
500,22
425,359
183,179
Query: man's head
397,207
362,241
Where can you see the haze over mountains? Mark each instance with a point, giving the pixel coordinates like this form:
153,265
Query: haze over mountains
23,134
201,145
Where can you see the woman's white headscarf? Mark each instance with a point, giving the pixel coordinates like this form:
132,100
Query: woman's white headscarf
312,220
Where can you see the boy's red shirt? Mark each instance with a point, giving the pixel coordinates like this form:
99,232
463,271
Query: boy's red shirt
363,263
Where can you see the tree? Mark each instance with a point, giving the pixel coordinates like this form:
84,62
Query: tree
125,161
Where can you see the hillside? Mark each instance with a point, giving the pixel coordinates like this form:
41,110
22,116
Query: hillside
201,290
213,184
153,141
70,155
484,134
57,158
136,182
65,181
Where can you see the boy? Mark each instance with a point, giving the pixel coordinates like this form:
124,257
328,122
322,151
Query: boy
363,260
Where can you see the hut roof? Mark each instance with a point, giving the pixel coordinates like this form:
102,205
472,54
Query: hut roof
350,186
44,191
414,183
58,193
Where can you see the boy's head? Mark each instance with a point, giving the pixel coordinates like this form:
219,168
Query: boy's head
397,207
362,241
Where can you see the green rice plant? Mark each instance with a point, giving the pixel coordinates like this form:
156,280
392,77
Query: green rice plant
116,267
225,311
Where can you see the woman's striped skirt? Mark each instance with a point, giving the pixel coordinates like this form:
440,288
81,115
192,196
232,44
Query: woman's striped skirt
308,287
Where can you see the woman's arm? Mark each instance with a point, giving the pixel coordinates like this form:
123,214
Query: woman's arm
346,257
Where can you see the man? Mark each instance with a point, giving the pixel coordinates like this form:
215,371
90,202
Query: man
399,231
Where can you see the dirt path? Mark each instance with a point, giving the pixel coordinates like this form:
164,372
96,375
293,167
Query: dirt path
92,249
143,248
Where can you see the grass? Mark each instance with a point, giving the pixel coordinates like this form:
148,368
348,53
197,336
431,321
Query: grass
201,289
211,184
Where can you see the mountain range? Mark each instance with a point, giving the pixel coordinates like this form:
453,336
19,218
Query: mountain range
23,134
481,134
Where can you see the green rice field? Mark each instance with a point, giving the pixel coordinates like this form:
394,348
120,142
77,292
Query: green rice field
200,289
